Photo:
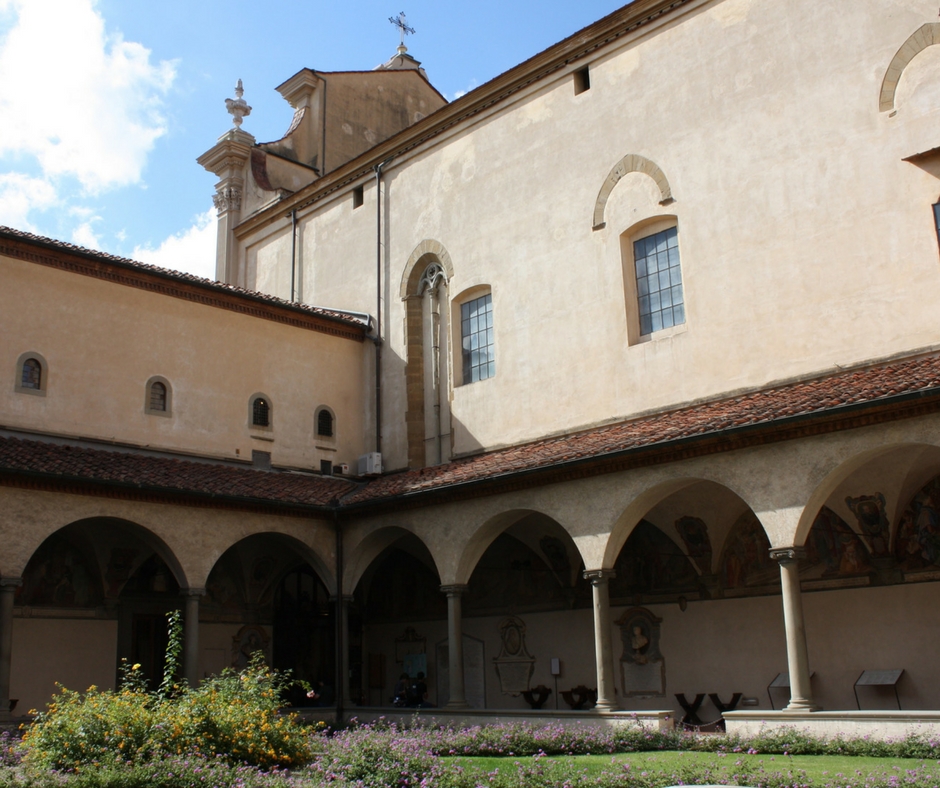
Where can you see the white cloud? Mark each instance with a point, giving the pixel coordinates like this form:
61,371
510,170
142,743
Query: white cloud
20,194
84,235
459,93
192,250
81,101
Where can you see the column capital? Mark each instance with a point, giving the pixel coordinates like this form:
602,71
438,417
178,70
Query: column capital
196,592
599,576
787,555
11,582
458,589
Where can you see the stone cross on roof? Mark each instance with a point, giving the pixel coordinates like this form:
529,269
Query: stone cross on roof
237,106
403,29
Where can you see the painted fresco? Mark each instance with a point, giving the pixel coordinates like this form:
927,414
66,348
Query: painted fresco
401,588
511,577
745,560
698,545
153,576
225,586
59,575
833,549
869,510
917,544
650,563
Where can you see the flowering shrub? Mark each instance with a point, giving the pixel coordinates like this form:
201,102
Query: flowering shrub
233,716
11,749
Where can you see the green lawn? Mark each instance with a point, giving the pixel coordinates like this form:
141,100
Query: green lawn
814,769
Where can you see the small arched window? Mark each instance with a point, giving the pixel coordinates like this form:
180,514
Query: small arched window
260,412
158,397
31,374
325,423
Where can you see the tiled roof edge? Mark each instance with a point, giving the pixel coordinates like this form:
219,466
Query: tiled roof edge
351,325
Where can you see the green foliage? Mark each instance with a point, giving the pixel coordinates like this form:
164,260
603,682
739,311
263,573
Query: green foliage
174,648
234,716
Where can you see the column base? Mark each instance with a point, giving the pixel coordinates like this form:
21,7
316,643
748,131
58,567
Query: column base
801,706
457,705
606,705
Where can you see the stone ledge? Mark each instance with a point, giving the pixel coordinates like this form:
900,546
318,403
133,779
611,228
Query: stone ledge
659,720
886,724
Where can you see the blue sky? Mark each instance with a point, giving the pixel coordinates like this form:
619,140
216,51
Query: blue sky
106,104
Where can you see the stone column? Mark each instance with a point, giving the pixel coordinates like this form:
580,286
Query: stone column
8,587
191,634
603,650
801,694
343,696
458,694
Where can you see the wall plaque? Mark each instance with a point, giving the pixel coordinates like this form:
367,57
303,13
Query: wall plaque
642,665
514,665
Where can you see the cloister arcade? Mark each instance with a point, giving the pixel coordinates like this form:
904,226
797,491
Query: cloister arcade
706,575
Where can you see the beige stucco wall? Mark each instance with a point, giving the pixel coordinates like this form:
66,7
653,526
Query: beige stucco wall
75,653
724,646
104,341
805,240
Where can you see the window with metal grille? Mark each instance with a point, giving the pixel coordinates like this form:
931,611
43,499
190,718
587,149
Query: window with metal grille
32,375
158,397
476,338
325,423
260,413
659,281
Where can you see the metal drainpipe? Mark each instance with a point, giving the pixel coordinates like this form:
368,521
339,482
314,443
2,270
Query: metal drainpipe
293,252
340,694
378,304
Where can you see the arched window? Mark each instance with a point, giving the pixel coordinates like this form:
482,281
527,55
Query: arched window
260,412
325,423
158,397
31,374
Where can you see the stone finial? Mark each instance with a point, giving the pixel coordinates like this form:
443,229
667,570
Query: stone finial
238,108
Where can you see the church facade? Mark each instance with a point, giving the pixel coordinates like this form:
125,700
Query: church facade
623,385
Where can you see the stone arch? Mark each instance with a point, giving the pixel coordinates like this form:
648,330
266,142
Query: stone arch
486,534
370,548
310,556
923,459
396,580
630,163
145,535
925,36
644,503
423,254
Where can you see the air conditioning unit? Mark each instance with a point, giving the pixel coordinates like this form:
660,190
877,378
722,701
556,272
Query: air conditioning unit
341,470
370,464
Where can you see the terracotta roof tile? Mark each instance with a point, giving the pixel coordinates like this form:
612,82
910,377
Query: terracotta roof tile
756,408
166,474
753,409
332,314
